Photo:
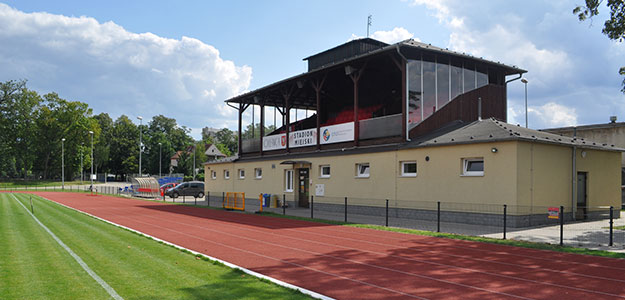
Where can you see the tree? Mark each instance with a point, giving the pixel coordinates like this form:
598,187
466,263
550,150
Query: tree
614,27
124,153
228,139
102,148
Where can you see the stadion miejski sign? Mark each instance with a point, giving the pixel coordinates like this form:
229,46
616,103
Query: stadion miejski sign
308,137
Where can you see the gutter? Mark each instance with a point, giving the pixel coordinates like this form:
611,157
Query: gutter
506,89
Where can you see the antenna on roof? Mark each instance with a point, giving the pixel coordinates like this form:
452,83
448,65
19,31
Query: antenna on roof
368,24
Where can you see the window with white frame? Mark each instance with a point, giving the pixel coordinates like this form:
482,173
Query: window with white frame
214,175
288,180
473,166
362,170
241,174
324,171
258,173
409,168
226,174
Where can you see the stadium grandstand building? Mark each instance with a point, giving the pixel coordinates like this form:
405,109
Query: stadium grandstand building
415,124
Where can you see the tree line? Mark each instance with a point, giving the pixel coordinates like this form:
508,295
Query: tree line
33,126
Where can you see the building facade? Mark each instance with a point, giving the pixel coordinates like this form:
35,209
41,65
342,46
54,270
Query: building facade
415,125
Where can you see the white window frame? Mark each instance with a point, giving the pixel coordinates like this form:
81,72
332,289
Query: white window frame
214,174
288,180
404,174
465,166
226,174
241,173
321,175
258,173
360,174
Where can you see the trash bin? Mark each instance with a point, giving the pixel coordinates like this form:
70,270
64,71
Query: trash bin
266,200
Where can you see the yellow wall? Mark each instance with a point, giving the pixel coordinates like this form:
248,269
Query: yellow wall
544,176
519,173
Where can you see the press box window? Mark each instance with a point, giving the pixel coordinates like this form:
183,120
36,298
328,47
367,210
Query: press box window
258,173
288,180
362,170
241,174
409,169
226,174
324,171
473,167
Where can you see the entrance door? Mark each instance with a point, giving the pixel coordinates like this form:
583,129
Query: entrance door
582,202
303,188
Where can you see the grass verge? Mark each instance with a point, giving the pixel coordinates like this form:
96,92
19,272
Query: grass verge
36,183
137,267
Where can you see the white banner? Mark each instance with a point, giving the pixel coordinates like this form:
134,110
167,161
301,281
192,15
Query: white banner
337,133
303,138
274,142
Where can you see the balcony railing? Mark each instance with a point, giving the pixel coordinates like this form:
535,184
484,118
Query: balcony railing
385,126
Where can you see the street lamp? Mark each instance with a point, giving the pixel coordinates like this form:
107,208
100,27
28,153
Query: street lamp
91,176
140,142
63,163
160,159
524,80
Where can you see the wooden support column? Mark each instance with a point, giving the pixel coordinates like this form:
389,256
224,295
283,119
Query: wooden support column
402,66
317,85
240,133
287,108
262,126
355,76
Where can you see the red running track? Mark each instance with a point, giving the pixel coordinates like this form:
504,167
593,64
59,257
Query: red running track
354,263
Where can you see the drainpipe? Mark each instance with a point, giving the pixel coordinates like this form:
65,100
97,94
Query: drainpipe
574,177
404,60
506,92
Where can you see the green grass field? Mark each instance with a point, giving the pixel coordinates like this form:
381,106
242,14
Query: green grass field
36,183
34,266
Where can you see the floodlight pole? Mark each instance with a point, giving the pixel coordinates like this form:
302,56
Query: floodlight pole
140,142
63,163
194,146
524,80
82,171
91,176
160,159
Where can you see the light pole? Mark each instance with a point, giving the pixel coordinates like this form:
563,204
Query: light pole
160,159
91,176
524,80
63,163
82,171
194,146
140,142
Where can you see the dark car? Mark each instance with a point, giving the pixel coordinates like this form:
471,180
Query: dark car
192,188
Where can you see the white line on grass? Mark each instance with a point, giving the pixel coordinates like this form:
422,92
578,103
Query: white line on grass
228,264
93,275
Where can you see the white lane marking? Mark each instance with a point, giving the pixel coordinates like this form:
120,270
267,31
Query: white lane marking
79,260
231,265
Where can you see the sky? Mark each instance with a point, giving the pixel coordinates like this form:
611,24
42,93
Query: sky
182,59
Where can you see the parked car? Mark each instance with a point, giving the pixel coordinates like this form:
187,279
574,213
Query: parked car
167,186
191,188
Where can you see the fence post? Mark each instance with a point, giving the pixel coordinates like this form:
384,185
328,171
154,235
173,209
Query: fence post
345,209
611,224
163,197
561,225
208,198
195,200
223,199
438,216
505,214
312,206
283,204
183,199
386,222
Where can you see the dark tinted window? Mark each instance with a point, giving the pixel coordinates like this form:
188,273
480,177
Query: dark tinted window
475,166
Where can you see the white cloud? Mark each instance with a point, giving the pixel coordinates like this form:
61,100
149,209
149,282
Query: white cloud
553,115
117,71
398,34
